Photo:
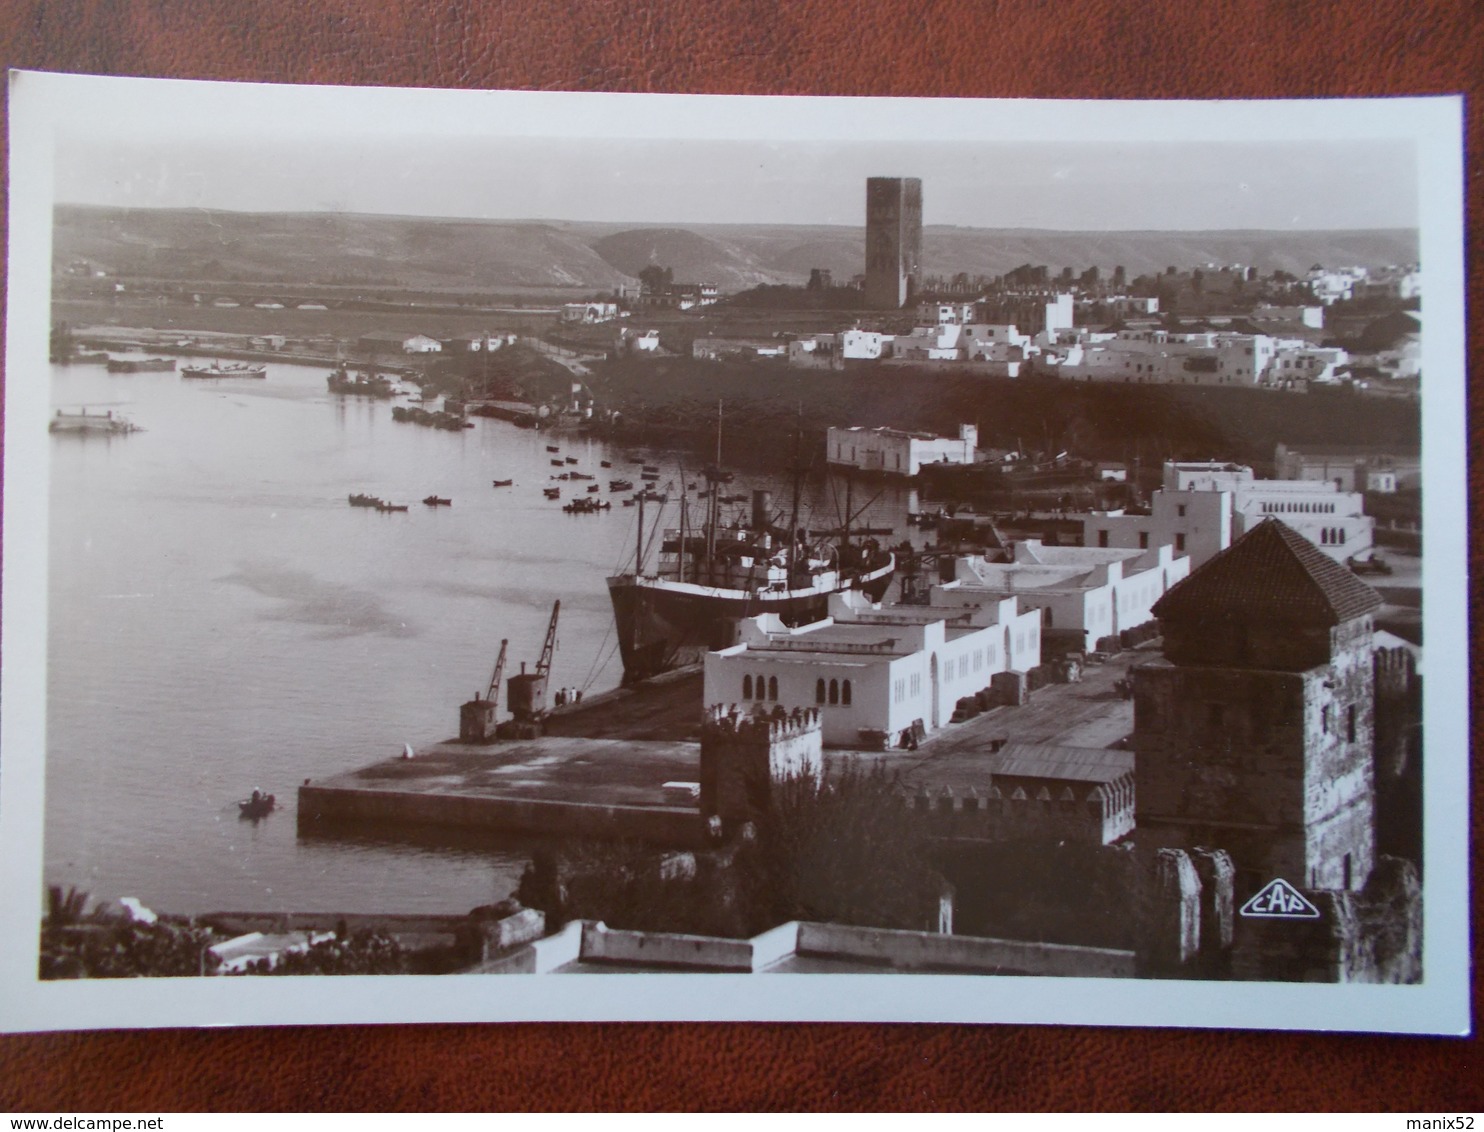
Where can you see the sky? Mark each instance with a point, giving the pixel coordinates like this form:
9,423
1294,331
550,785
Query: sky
1087,186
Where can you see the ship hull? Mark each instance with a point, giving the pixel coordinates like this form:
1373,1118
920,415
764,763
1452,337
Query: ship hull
661,625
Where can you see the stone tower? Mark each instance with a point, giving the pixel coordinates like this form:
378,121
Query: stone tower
742,756
893,241
1255,732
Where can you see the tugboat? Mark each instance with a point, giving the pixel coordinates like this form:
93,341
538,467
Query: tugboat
710,576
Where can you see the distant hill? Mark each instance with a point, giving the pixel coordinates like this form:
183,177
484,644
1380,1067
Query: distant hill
513,255
694,258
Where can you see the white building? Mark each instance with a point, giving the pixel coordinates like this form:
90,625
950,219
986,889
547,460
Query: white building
865,345
997,349
1085,595
1350,468
589,313
1295,362
1155,356
1194,523
1333,520
874,669
1332,286
421,344
894,452
1310,316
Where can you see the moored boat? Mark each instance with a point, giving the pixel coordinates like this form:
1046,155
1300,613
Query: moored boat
363,384
708,580
140,365
230,369
83,423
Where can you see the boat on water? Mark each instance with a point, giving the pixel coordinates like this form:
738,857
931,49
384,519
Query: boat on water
502,483
620,485
710,576
362,384
259,805
85,423
229,369
553,447
552,492
382,505
438,501
140,365
359,500
585,506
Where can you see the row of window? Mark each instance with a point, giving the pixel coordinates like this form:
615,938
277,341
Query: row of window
1299,508
766,689
835,692
1332,536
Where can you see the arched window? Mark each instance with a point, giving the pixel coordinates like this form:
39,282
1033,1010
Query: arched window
762,690
772,687
834,691
819,691
845,693
747,687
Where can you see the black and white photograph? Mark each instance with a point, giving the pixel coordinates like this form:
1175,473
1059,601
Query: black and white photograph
967,555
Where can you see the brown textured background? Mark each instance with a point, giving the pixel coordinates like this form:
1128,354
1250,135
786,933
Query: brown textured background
1056,49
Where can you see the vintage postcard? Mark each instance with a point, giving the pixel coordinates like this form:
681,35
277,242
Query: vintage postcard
813,558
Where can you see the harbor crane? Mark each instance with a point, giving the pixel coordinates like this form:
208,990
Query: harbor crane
477,722
525,692
494,688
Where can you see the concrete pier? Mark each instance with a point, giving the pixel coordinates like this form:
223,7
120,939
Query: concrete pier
559,786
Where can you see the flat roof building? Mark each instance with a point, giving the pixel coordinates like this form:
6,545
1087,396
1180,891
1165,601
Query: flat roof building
1084,596
874,672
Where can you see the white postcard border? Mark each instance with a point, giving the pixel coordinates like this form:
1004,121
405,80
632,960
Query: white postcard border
42,105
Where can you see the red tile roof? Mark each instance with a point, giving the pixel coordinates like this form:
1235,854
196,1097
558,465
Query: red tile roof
1273,573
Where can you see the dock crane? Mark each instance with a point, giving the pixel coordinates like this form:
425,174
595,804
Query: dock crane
525,692
477,722
494,688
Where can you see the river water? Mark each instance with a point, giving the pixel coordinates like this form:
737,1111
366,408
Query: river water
221,618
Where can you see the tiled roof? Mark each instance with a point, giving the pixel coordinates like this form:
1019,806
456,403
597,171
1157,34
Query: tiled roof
1272,572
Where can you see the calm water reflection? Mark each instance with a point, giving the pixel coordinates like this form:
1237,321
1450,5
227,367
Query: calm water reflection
220,619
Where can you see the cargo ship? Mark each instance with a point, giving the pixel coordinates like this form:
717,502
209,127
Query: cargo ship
709,578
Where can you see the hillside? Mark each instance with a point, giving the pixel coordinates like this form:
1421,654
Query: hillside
433,254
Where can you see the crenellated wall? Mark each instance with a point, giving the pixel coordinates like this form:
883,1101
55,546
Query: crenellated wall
742,755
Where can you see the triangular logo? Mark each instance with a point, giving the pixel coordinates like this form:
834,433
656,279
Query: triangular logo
1279,900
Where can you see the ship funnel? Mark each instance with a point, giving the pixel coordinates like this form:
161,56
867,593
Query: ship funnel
762,510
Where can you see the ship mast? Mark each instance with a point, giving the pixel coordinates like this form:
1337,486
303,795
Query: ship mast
793,520
713,506
684,520
639,543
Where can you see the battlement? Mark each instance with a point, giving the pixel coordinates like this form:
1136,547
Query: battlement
779,725
742,755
